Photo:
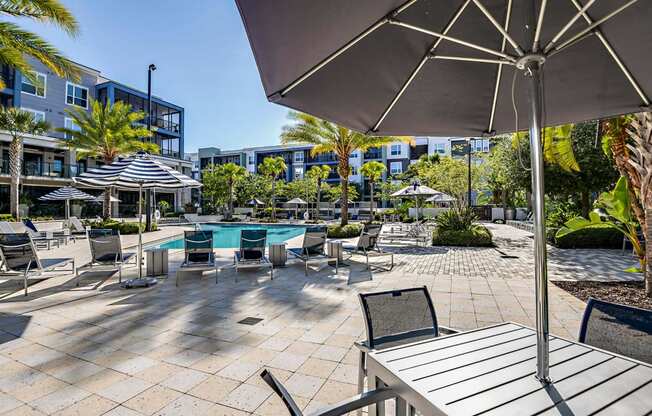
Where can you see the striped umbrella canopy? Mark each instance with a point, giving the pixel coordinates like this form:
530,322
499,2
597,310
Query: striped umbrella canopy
112,198
67,194
137,172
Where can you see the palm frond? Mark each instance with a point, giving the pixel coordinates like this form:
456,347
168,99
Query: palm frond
49,11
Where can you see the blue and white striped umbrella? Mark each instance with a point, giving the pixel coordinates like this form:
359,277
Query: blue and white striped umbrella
66,193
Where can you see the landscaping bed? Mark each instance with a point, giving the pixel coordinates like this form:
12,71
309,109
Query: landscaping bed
477,236
626,293
594,236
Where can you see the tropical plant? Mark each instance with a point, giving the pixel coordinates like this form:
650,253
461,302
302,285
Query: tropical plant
334,193
373,171
450,176
231,174
163,206
18,44
329,137
18,123
253,186
459,218
215,190
273,167
557,146
106,132
319,173
617,205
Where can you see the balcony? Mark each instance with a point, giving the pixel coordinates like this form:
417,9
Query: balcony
323,158
373,154
46,170
165,124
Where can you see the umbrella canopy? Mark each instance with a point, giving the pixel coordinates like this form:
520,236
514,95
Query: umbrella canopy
137,172
297,201
67,194
112,198
440,197
255,202
415,190
457,68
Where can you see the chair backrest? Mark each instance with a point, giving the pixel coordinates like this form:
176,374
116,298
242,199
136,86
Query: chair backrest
18,252
369,236
29,224
252,244
618,328
282,392
105,245
76,224
198,245
396,317
314,240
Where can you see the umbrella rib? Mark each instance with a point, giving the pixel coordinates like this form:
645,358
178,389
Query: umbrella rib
469,59
499,27
508,16
580,12
612,52
537,32
416,70
386,19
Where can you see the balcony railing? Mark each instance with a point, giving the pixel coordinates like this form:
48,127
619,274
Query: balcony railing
373,154
45,170
165,124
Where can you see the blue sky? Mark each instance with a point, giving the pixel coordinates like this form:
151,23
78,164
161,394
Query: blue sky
203,57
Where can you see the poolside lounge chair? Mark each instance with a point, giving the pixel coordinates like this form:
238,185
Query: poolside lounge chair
341,408
106,252
199,255
367,246
41,239
252,251
394,318
20,259
417,232
76,227
618,328
313,248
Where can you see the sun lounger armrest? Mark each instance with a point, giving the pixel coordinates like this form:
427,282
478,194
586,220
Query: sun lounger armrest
444,330
356,402
362,346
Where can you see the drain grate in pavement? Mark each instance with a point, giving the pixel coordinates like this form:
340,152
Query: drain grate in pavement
250,321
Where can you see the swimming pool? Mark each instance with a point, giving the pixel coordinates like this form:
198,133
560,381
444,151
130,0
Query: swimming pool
228,235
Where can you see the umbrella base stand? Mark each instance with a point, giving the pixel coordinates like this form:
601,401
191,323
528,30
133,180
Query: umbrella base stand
141,282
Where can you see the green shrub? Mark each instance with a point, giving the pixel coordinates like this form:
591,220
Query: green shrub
125,228
594,236
461,219
477,236
348,231
7,217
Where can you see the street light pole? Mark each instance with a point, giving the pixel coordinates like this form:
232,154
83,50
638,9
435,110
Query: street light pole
148,198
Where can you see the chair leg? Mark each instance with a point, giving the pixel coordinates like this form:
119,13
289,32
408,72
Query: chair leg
120,274
361,375
177,278
25,283
306,271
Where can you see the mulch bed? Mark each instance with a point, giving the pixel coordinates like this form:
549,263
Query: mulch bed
630,293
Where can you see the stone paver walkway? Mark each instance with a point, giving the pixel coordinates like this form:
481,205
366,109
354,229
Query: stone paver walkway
171,350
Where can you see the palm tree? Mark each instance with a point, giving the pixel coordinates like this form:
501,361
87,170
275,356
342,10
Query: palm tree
18,123
105,133
231,173
329,137
273,167
373,171
17,44
319,173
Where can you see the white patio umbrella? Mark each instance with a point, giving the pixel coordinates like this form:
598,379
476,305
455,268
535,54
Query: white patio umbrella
112,198
137,172
296,202
67,194
440,197
415,190
255,203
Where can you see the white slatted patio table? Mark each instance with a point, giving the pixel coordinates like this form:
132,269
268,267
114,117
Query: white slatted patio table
491,371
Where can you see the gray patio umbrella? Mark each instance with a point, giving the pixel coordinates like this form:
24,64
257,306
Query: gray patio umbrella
440,197
296,202
67,194
255,203
457,68
415,190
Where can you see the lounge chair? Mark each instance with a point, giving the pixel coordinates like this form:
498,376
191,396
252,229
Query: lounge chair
313,248
396,317
417,232
621,329
76,227
41,239
252,251
106,252
366,245
199,255
341,408
20,259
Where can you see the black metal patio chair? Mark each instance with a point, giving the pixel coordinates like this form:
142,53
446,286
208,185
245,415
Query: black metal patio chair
198,252
621,329
106,252
344,407
396,317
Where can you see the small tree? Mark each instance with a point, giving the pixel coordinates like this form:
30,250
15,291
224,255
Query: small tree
18,123
164,206
231,173
373,171
319,174
273,167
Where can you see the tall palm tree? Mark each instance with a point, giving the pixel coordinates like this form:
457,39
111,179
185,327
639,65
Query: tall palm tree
329,137
18,123
373,171
319,173
273,167
17,44
106,132
231,173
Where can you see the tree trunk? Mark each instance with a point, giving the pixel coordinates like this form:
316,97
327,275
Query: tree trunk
318,199
648,252
15,168
106,207
586,205
230,200
503,195
273,199
344,201
528,199
371,209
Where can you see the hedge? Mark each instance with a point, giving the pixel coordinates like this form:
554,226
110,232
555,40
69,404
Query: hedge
124,227
348,231
478,236
594,236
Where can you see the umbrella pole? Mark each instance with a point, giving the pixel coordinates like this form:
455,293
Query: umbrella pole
140,234
67,213
533,72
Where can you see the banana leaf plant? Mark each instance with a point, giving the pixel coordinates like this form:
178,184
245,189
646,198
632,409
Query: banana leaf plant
617,205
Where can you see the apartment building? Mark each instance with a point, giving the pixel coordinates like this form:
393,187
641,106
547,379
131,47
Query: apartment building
46,165
396,156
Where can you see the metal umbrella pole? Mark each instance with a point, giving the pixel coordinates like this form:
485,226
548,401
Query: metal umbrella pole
140,234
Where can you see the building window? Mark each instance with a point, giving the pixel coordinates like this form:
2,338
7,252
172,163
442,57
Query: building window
396,168
70,124
440,148
38,115
76,95
250,159
395,150
354,171
38,89
298,157
354,155
485,145
298,173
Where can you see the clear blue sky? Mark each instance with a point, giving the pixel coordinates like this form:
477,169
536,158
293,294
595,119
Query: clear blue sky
203,58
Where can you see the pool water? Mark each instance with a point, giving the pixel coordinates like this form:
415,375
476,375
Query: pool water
228,235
